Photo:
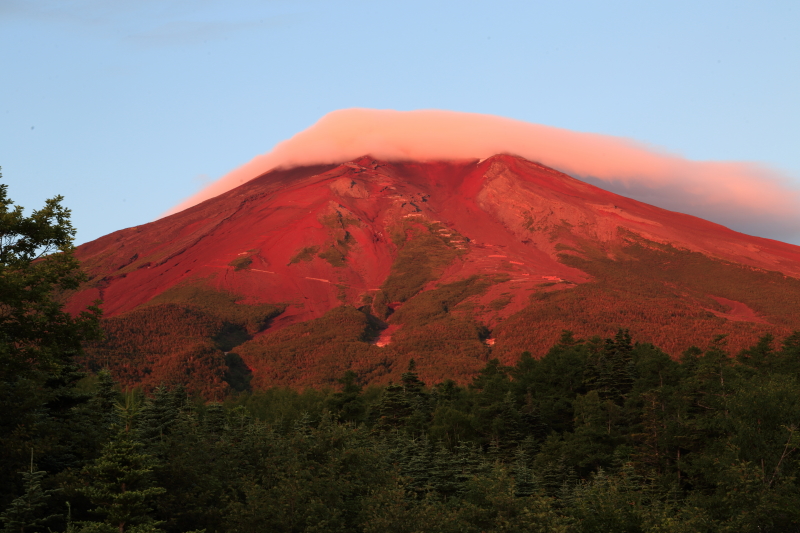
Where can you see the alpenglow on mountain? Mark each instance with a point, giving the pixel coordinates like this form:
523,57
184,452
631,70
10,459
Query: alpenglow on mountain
301,274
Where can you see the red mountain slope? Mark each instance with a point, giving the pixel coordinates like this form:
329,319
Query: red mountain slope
442,258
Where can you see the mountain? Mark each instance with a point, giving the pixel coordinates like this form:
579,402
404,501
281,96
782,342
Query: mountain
301,274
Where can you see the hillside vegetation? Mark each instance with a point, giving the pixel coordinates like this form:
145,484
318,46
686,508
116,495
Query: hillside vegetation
669,297
663,294
597,435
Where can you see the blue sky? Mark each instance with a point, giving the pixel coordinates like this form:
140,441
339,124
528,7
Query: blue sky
126,108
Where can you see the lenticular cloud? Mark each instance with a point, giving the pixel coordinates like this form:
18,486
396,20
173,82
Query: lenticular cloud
744,196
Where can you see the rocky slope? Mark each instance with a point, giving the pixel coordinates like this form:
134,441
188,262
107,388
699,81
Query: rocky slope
301,274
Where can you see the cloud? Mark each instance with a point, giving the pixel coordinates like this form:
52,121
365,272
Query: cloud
154,22
745,196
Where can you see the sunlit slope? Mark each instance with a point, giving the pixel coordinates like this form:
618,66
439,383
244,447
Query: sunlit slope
306,273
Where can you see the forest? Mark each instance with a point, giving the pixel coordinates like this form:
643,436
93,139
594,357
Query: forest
599,433
596,435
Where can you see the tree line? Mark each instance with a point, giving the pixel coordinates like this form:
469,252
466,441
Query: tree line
596,434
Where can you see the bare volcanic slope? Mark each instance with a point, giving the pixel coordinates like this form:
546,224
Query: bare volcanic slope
301,274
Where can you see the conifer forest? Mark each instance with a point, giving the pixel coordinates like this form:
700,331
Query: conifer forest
592,435
597,435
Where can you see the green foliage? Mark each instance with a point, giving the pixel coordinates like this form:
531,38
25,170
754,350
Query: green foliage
436,331
29,511
348,403
597,434
180,337
241,263
38,342
434,304
341,239
500,303
336,255
337,221
330,344
221,305
660,292
421,258
637,442
315,478
120,486
306,254
36,264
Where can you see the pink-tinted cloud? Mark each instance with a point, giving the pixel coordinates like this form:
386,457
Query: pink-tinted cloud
744,196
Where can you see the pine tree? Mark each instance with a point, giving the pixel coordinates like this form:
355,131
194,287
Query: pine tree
468,462
128,409
411,382
524,479
214,420
416,463
419,401
156,416
393,409
105,397
789,356
611,371
348,402
760,357
442,478
121,487
28,512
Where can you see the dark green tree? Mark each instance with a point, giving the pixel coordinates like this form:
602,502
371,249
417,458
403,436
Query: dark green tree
418,399
393,409
348,402
36,264
157,415
611,371
104,399
38,339
214,420
29,511
553,382
412,385
120,485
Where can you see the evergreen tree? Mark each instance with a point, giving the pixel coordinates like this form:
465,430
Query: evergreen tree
443,474
760,357
416,463
214,419
412,385
611,371
789,357
393,409
524,478
121,487
468,463
156,415
553,382
347,402
38,339
29,511
128,409
105,397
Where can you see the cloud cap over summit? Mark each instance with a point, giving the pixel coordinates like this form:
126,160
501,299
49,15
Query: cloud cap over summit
745,196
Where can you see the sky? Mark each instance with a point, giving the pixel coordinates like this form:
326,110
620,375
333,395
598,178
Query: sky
129,108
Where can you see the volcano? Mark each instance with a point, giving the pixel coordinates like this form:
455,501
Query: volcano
301,274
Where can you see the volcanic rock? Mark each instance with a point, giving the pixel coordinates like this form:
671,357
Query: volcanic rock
301,274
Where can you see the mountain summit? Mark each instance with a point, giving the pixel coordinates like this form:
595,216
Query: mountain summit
301,274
